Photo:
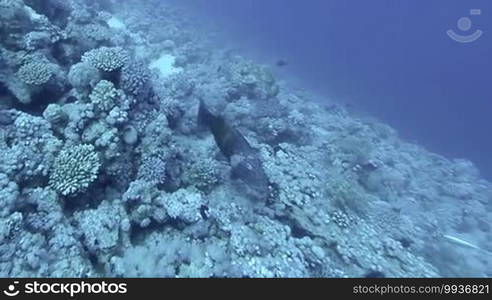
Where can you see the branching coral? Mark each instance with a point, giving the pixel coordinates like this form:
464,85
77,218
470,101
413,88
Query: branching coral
104,95
204,174
35,72
134,78
74,169
153,169
106,59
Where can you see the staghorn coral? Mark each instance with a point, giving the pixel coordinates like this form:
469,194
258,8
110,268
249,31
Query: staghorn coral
74,169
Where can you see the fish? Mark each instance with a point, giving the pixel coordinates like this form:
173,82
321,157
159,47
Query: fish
281,63
244,159
229,140
461,242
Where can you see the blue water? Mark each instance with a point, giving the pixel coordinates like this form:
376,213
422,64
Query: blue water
391,59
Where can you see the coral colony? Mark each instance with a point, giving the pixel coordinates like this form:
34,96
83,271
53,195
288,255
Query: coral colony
130,146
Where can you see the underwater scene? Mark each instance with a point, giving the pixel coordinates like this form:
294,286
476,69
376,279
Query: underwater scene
160,138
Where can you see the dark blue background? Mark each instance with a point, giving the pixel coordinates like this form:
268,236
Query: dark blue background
389,58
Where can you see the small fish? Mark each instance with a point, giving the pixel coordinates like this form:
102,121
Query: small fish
245,162
281,63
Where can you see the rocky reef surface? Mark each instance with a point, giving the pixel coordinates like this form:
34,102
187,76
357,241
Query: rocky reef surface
106,171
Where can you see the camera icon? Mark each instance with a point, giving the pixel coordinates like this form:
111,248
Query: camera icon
464,25
11,290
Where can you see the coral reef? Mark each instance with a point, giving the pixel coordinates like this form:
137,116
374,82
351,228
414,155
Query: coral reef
35,73
105,170
74,169
106,59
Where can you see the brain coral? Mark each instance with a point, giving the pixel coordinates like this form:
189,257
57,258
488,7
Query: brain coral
74,169
106,59
35,73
